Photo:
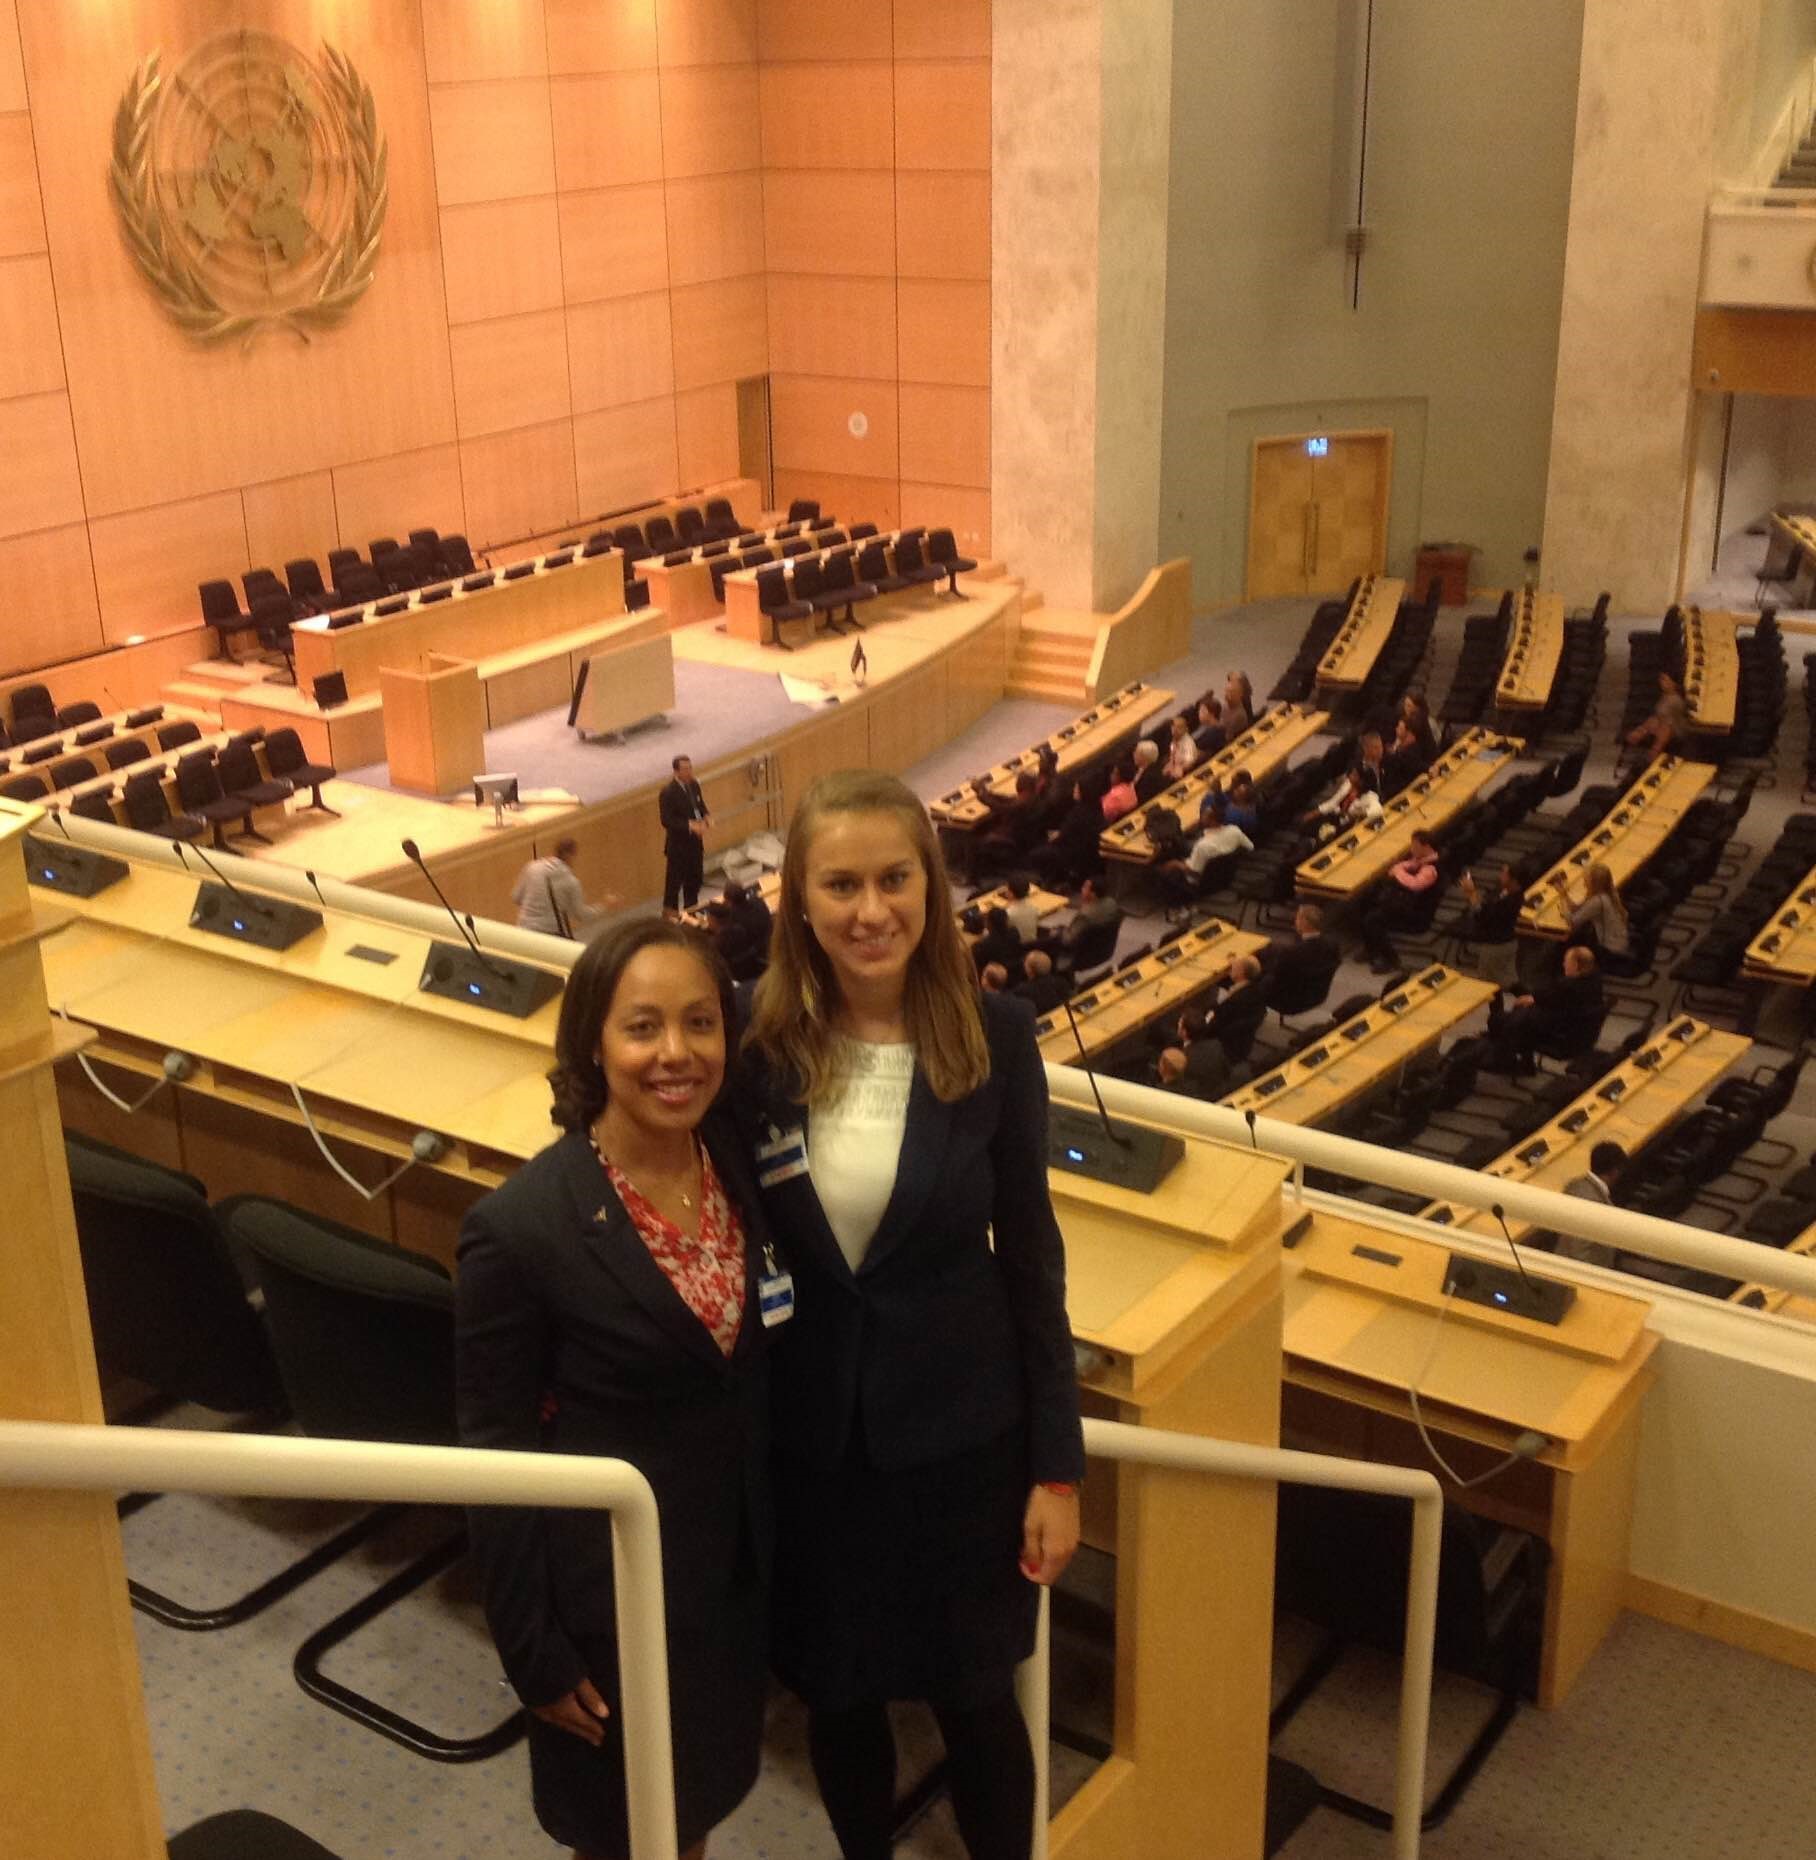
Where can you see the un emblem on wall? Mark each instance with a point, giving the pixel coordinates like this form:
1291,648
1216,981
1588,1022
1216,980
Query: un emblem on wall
251,186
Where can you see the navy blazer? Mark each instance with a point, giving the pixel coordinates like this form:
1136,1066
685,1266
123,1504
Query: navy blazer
558,1296
953,1329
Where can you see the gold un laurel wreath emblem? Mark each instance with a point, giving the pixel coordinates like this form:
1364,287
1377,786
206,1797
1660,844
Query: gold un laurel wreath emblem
251,186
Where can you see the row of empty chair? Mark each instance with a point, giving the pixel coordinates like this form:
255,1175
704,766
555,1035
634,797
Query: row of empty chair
88,729
816,586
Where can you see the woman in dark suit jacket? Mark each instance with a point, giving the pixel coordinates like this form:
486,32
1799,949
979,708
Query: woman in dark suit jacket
608,1305
927,1437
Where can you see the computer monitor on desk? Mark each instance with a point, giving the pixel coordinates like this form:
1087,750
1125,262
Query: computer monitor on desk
500,790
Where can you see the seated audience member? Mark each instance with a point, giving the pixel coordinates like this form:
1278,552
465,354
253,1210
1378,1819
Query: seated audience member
1024,913
1150,771
1042,986
1239,1009
1493,925
1297,961
1209,732
993,978
1199,1069
1182,752
1238,705
1607,1161
1598,918
1120,798
1356,798
999,943
1417,712
1395,905
1095,908
1243,806
1404,763
739,922
1373,759
1072,851
1167,837
1567,1011
1666,725
1182,874
1012,829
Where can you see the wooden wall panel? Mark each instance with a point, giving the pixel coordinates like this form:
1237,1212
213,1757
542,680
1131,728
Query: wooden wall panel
706,32
811,421
715,228
608,129
47,598
942,115
822,29
614,243
31,351
12,63
720,331
493,140
600,35
706,436
393,496
518,484
960,509
829,115
710,122
942,28
502,39
833,326
21,215
511,372
945,434
945,331
619,350
942,225
40,485
850,499
501,258
288,518
148,562
837,224
625,455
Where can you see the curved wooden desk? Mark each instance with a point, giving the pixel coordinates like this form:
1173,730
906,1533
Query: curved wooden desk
1785,950
1534,647
1366,628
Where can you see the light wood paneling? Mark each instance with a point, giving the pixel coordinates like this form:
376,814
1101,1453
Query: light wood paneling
945,434
706,435
945,331
720,331
811,417
493,141
828,116
608,129
619,351
942,115
613,243
510,373
963,511
517,484
21,215
501,258
40,485
822,29
31,352
715,228
942,225
393,496
833,326
600,35
288,518
12,66
502,39
942,28
710,122
50,611
830,223
149,562
850,499
625,455
706,32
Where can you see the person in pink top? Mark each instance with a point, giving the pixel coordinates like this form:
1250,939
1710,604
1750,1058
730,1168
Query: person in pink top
1120,798
1403,890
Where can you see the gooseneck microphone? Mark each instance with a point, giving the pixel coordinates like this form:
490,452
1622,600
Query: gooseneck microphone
313,886
223,909
1248,1117
244,899
413,853
1500,1214
1084,1059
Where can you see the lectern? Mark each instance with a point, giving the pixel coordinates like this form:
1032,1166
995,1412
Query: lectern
434,723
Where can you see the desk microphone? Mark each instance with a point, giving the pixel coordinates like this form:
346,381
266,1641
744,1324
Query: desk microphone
313,886
1248,1117
56,814
1500,1214
244,899
1084,1059
225,910
413,853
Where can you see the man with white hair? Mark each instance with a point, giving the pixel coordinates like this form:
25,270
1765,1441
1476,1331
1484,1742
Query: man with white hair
1150,771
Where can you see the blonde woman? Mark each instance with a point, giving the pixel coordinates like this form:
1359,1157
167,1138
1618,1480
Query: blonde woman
1182,752
928,1446
1599,917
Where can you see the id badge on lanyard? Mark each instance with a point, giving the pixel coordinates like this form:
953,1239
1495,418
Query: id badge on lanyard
775,1292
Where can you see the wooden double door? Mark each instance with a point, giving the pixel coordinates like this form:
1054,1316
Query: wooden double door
1317,512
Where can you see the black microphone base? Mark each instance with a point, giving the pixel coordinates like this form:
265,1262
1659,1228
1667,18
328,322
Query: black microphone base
1078,1143
76,871
1501,1288
515,988
274,923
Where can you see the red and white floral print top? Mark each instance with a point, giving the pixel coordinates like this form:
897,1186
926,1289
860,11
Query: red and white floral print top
707,1272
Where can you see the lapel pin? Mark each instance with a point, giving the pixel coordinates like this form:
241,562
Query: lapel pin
600,1215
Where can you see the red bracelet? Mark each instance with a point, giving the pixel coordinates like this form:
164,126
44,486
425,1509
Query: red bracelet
1059,1488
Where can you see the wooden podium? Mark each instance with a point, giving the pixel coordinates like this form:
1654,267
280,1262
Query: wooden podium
435,731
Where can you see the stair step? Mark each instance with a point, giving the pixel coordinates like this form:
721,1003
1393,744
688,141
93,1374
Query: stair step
1049,690
1058,660
192,694
1032,601
230,674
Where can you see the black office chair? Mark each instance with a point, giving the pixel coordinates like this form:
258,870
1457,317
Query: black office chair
221,610
175,735
201,795
241,780
289,761
942,552
94,804
143,803
364,1337
245,1834
70,771
24,788
83,711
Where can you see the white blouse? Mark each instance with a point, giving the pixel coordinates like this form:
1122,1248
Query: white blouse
855,1140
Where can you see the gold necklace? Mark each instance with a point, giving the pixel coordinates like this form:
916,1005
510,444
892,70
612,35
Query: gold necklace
686,1199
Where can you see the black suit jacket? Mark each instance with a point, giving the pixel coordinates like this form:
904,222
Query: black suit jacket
1290,967
1237,1018
1569,1006
954,1328
678,804
557,1296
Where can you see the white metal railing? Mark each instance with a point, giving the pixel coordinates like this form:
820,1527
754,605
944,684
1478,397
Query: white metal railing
61,1456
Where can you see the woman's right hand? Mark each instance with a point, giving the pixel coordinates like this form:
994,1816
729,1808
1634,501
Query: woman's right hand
580,1712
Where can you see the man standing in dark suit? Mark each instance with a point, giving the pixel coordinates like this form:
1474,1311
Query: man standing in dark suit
682,808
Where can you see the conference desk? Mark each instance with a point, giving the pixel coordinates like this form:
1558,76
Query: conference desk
520,606
1629,834
1534,647
1791,553
1260,750
1361,1334
1092,734
1140,993
769,889
684,590
1628,1106
63,743
1712,668
1774,1298
1356,858
1785,950
1367,626
1366,1050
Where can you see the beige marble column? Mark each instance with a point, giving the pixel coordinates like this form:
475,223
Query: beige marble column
1080,128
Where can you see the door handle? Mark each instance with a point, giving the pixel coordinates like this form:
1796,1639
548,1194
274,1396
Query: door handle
1311,545
1305,541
